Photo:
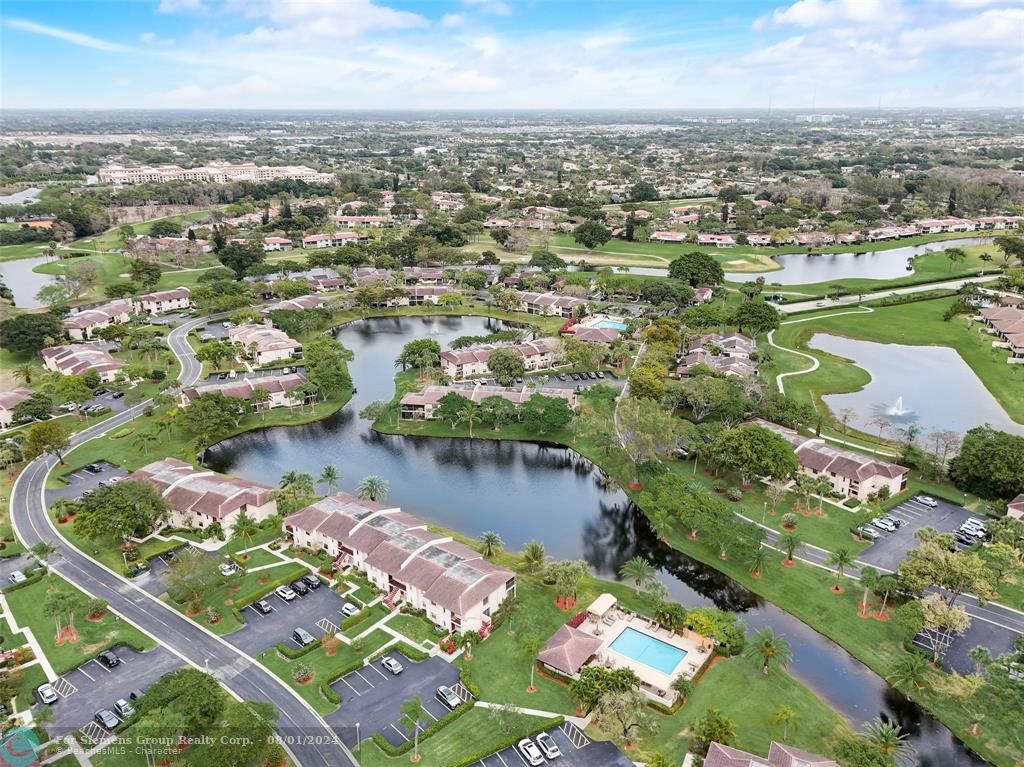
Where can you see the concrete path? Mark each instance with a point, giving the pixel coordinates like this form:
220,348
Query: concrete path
803,306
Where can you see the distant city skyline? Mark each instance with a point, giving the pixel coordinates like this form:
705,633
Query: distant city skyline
811,55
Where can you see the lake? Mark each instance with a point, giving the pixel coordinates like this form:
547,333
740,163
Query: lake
930,386
526,491
23,282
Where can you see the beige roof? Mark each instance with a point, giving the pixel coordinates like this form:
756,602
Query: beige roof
568,649
188,489
10,399
602,604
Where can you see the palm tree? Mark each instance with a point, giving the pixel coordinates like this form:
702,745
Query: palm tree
260,399
24,374
144,440
412,714
910,669
297,483
490,544
840,559
467,641
245,527
529,646
638,570
784,715
981,657
822,486
776,492
890,739
470,414
534,556
756,561
372,488
330,477
791,543
768,647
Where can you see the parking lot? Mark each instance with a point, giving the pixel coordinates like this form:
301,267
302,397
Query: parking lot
262,631
92,686
80,480
890,548
373,697
577,751
153,581
997,639
9,564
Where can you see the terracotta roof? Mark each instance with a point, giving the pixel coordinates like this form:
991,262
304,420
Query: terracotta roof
10,399
779,755
78,359
568,649
188,489
99,314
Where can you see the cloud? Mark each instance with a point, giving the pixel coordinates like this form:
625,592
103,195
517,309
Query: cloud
1001,28
452,20
496,7
67,35
177,6
351,16
818,13
605,40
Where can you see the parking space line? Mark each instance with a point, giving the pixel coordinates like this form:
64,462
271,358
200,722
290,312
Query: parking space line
427,712
516,752
382,675
353,689
356,672
501,758
85,674
404,736
100,665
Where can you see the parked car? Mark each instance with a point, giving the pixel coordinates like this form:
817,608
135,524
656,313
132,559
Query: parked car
93,468
530,753
927,500
105,718
117,395
135,694
263,606
592,375
548,746
300,588
392,665
884,524
303,637
866,531
600,374
108,658
285,593
311,580
349,610
46,694
100,391
894,521
17,577
446,695
123,709
228,569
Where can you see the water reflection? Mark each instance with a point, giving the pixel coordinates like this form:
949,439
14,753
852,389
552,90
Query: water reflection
23,282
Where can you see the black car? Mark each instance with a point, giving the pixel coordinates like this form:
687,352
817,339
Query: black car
300,587
117,395
93,468
222,376
99,392
311,580
574,376
134,695
108,658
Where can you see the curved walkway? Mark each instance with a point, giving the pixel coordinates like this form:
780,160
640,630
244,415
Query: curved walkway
815,363
304,733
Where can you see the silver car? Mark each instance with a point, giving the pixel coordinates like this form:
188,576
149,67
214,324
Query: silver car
392,665
530,753
547,744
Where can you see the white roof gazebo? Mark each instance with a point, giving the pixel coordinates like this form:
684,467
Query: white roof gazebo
600,606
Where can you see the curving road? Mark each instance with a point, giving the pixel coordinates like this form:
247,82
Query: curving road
304,733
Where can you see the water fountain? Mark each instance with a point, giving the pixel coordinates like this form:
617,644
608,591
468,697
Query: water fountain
897,409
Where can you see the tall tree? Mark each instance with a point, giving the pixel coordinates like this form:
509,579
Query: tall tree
769,649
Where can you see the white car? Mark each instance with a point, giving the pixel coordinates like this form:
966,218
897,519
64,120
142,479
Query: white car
17,577
392,665
349,610
285,593
548,746
927,500
530,753
46,694
884,524
228,568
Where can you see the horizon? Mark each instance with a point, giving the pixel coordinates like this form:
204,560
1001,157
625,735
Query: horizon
466,55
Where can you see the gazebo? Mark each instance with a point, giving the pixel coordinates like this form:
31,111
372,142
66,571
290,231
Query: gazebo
568,650
601,607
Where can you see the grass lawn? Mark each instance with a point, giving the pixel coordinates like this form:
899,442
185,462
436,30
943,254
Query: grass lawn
265,535
31,678
737,688
28,605
418,630
260,557
471,733
915,324
376,614
365,592
233,590
70,760
323,667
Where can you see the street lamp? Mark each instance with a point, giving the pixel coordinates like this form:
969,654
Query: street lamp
764,512
359,744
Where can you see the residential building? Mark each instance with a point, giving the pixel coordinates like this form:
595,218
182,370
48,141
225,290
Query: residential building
465,363
702,295
83,324
779,755
596,335
8,401
1007,324
551,303
1015,508
428,294
264,344
198,497
665,236
421,406
79,359
453,584
718,240
215,172
298,304
164,301
851,474
277,243
277,386
728,353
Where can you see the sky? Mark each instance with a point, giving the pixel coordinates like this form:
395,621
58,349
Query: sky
506,54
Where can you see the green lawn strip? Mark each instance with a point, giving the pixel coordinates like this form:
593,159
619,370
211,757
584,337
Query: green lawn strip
324,667
265,535
259,558
31,678
737,688
472,734
374,615
11,641
236,591
23,250
70,760
916,324
27,606
364,589
419,630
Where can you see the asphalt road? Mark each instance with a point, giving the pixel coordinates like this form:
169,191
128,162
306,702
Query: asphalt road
302,730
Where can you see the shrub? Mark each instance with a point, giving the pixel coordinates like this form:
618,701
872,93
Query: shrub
576,620
330,693
719,486
789,519
301,673
297,652
356,619
734,494
95,608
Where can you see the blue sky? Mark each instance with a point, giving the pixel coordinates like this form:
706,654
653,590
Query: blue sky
355,54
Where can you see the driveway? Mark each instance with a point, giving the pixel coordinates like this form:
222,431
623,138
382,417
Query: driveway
9,564
891,548
373,697
81,480
92,686
577,751
263,631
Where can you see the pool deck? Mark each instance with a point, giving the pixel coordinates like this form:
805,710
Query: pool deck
654,683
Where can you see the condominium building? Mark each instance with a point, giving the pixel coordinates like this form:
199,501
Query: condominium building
215,172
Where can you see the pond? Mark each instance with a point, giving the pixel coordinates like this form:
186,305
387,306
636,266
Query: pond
23,282
526,491
930,386
805,269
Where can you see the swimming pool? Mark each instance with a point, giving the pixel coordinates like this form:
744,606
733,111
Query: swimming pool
604,324
643,648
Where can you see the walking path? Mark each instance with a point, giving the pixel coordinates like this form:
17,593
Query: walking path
803,306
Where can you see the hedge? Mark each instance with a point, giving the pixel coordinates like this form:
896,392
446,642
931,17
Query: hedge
356,619
34,578
244,600
434,728
547,724
410,652
297,652
330,693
